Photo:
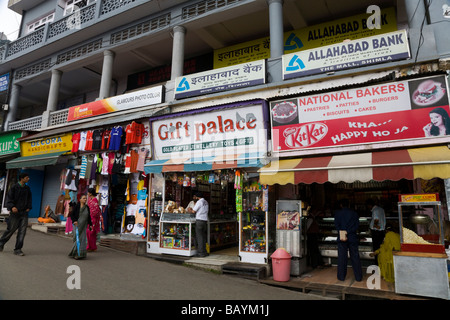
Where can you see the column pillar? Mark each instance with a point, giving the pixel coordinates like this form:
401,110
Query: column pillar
276,28
55,83
13,105
179,34
107,70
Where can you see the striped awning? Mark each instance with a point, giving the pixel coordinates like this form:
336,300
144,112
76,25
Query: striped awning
425,163
245,160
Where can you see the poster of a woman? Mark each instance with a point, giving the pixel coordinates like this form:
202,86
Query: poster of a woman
439,123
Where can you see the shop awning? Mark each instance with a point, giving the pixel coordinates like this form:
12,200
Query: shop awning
245,160
34,161
425,163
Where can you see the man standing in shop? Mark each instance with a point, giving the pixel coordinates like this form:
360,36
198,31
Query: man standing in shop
18,203
200,209
377,224
346,222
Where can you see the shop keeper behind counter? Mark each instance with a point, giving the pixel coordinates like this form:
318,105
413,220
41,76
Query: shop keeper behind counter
229,193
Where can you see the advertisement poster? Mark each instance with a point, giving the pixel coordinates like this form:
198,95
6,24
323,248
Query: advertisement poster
324,34
126,101
385,112
288,220
383,48
229,131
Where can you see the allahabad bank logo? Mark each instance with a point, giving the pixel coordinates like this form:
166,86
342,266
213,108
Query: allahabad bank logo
305,135
293,42
183,85
295,64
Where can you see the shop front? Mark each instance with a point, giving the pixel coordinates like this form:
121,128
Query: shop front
42,158
373,142
217,152
9,149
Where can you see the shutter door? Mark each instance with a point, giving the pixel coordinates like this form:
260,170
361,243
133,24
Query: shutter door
52,184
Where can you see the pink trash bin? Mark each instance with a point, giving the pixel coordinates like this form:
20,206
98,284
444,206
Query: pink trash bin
281,265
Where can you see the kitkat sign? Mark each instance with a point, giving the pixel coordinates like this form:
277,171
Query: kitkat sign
385,112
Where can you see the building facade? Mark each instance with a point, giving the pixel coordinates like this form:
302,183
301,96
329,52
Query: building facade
344,91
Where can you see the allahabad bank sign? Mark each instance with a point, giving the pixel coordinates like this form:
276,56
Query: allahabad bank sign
383,48
386,112
324,34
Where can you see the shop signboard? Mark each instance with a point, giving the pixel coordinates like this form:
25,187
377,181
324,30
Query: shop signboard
4,82
53,144
383,48
229,131
418,197
9,143
224,79
324,34
392,111
126,101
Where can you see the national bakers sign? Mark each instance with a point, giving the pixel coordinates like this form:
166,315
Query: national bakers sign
385,112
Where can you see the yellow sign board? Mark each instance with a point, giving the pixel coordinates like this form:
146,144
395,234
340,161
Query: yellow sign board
45,145
324,34
420,197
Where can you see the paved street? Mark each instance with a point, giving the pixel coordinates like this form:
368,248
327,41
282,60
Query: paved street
109,274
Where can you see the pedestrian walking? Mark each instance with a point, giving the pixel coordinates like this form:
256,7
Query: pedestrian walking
95,213
18,202
81,218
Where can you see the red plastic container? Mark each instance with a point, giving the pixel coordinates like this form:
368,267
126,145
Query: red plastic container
281,265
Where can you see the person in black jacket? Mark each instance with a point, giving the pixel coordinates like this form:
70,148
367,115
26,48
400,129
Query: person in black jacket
18,203
346,221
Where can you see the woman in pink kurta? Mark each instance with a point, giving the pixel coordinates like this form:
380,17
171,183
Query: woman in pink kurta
95,218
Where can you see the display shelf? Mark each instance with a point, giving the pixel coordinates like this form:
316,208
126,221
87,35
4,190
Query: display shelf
328,238
223,233
177,234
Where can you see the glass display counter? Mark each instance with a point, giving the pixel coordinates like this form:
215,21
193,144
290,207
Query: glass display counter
177,234
253,237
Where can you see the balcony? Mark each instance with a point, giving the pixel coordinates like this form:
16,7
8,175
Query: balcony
54,36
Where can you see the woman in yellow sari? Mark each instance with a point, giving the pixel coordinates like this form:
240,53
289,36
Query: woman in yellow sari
384,254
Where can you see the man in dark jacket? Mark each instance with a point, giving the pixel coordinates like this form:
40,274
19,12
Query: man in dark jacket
18,203
346,221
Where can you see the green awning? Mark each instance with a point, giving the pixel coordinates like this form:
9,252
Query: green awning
34,161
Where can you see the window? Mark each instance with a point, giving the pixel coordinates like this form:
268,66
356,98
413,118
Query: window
74,5
40,23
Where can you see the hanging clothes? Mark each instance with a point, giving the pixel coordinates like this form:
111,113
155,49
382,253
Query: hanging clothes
82,143
142,154
106,139
83,167
115,138
105,163
97,139
89,140
75,141
90,160
59,207
134,160
117,166
71,181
